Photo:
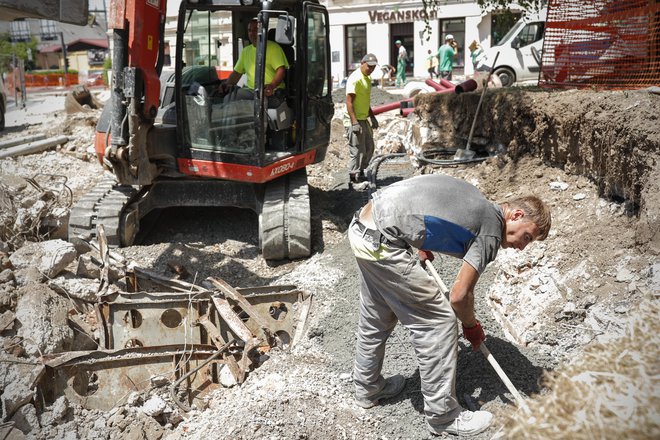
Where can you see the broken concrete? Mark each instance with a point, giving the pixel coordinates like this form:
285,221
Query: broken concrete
49,257
16,390
78,288
42,315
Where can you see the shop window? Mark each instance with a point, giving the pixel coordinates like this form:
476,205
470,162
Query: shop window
455,27
356,45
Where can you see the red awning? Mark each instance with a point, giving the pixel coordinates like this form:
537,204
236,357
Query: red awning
78,45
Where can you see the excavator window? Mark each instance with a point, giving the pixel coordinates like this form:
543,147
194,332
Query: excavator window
216,121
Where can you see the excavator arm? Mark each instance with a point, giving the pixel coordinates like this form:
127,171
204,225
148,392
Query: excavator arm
138,28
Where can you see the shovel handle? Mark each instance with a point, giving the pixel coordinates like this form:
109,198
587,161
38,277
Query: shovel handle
505,379
482,347
481,98
436,277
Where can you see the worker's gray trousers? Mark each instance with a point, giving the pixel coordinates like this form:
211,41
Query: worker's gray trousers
394,286
360,148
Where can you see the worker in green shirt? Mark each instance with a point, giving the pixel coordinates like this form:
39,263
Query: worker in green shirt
274,71
358,109
446,55
402,61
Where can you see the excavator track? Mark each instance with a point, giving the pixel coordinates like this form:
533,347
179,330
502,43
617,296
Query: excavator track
284,221
104,204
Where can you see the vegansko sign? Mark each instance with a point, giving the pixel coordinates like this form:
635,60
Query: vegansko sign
401,16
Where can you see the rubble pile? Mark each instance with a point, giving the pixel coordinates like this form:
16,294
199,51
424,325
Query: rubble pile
33,209
93,347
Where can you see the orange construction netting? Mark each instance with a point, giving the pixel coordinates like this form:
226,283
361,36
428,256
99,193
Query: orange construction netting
610,44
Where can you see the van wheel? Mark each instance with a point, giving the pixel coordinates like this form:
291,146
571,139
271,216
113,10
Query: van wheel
506,76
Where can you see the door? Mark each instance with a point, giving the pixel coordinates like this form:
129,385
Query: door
402,32
530,36
316,87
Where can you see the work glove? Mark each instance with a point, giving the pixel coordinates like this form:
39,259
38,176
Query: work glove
356,128
425,255
374,125
475,335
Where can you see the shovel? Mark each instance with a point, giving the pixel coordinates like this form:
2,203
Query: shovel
482,347
468,154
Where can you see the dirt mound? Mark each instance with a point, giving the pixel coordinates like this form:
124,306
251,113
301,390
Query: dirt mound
612,138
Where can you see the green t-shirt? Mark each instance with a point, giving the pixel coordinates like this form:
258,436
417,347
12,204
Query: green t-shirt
359,85
446,57
275,59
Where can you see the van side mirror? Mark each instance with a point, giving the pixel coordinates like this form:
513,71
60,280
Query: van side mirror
285,30
515,43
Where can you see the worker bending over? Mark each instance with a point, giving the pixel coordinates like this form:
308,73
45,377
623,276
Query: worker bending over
430,213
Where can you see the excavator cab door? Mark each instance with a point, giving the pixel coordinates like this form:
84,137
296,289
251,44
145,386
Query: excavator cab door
317,105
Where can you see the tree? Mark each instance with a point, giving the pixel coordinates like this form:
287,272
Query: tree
8,50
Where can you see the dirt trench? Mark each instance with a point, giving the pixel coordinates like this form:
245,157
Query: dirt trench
613,138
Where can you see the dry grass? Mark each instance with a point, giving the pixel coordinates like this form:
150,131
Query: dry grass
611,392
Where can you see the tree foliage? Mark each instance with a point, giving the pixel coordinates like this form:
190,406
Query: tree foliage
8,50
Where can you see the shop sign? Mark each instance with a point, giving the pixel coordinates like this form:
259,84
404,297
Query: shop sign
402,16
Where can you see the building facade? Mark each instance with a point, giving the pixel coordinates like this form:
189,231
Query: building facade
358,27
368,26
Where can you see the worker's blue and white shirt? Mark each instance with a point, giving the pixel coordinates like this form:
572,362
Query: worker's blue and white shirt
442,214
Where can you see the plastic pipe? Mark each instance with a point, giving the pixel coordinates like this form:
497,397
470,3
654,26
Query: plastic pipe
389,106
447,84
466,86
435,85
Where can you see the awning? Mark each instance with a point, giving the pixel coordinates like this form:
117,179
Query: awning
78,45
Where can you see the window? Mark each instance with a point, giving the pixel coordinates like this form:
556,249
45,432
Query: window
48,30
531,33
316,55
455,27
20,31
356,45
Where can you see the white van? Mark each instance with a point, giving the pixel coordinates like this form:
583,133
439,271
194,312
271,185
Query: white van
520,51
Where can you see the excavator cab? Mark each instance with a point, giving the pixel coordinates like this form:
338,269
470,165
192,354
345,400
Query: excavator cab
211,144
241,126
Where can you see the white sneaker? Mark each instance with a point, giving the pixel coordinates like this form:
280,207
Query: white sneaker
467,423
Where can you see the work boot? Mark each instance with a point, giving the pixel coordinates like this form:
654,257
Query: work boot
467,423
393,386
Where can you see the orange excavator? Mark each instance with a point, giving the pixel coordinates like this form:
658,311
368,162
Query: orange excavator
193,145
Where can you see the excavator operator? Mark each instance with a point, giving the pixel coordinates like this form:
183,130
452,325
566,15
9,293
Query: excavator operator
275,70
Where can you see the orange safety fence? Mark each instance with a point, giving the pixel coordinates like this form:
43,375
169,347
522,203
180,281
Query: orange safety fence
42,80
610,44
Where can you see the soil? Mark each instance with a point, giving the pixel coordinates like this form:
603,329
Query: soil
593,156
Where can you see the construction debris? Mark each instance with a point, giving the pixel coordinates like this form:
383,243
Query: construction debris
33,147
176,334
79,99
614,390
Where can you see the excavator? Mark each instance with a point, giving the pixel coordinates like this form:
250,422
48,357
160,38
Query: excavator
194,143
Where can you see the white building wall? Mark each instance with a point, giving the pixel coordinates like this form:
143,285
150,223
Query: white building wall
477,27
377,36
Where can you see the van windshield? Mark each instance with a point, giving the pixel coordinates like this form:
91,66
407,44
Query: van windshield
513,31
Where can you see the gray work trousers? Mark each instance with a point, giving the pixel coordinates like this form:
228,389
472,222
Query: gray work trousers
360,148
394,286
